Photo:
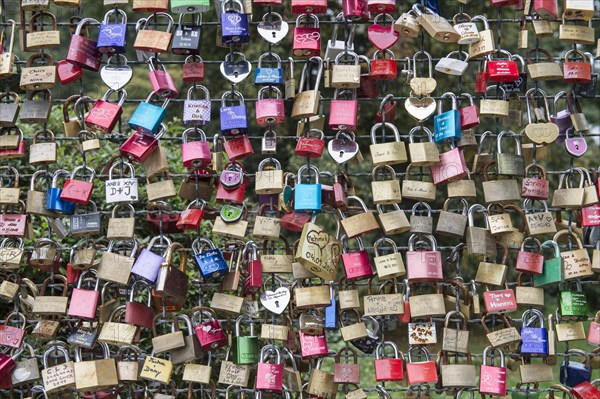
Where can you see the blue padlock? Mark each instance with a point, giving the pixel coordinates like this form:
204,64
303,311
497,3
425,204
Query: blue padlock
574,373
234,120
534,340
331,314
447,124
307,197
210,261
269,76
53,201
112,38
147,117
234,23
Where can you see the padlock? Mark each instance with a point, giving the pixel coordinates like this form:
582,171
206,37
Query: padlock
40,76
19,150
534,340
59,377
190,6
306,102
162,82
232,184
493,272
26,371
346,75
331,312
84,301
544,70
136,313
169,341
309,6
385,192
486,44
40,39
580,123
78,191
114,266
85,223
320,383
343,114
452,166
11,336
53,200
510,164
123,189
172,281
422,153
190,218
388,369
530,262
147,117
576,33
468,30
535,188
83,51
234,23
504,70
500,301
420,372
253,273
37,107
453,66
469,115
195,153
418,190
245,348
269,75
270,111
553,267
307,197
148,263
269,376
311,146
10,195
423,265
356,263
383,68
307,36
438,28
9,113
346,373
451,223
187,37
210,260
150,40
492,378
498,107
335,46
233,118
447,124
112,36
574,373
269,181
408,25
155,368
193,69
577,71
576,262
104,116
268,144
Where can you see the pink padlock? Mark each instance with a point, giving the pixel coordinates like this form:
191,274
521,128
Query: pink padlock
269,376
307,38
210,334
423,265
103,116
313,345
343,111
356,263
195,153
492,378
384,6
309,6
162,81
452,166
270,111
356,10
84,302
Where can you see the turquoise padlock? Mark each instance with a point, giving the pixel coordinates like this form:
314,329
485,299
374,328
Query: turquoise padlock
147,117
307,196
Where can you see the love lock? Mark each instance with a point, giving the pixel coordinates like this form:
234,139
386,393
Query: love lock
343,147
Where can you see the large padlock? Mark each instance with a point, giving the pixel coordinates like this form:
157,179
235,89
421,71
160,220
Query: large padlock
343,113
195,153
577,71
581,34
534,340
187,38
574,373
136,313
306,102
392,153
245,348
9,112
504,70
356,263
147,117
84,302
37,108
307,197
58,377
193,69
112,36
40,39
510,164
53,201
486,44
40,76
493,378
382,67
269,376
437,27
468,29
423,371
452,166
209,334
530,262
150,40
83,51
122,189
547,69
191,217
453,66
388,368
497,107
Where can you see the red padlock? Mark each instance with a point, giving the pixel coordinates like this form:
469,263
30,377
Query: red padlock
193,69
530,262
232,183
340,197
343,112
162,82
546,9
356,10
368,85
504,3
420,372
162,218
190,218
481,78
84,302
492,378
139,314
307,38
78,191
356,263
83,51
452,166
104,116
12,336
313,345
309,6
68,72
383,68
502,70
388,368
469,115
294,221
346,373
577,71
210,334
535,188
500,301
73,274
585,390
311,145
195,153
387,111
238,147
423,265
254,270
269,111
138,147
590,216
269,376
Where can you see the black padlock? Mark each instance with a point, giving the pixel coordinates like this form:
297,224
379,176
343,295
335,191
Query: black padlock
186,39
85,223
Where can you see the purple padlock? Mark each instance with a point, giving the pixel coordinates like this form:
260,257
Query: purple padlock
148,264
562,119
112,36
576,146
234,120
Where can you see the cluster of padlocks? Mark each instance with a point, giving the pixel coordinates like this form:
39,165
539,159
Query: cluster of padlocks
288,276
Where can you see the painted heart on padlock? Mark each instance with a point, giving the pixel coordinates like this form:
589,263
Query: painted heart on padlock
382,37
420,108
273,32
542,133
67,72
116,77
276,301
341,150
236,72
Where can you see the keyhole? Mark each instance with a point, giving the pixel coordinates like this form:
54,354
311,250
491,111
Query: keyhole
577,146
342,153
274,34
277,303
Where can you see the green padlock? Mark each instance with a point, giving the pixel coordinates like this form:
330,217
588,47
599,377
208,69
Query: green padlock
573,304
245,349
553,267
526,393
190,6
